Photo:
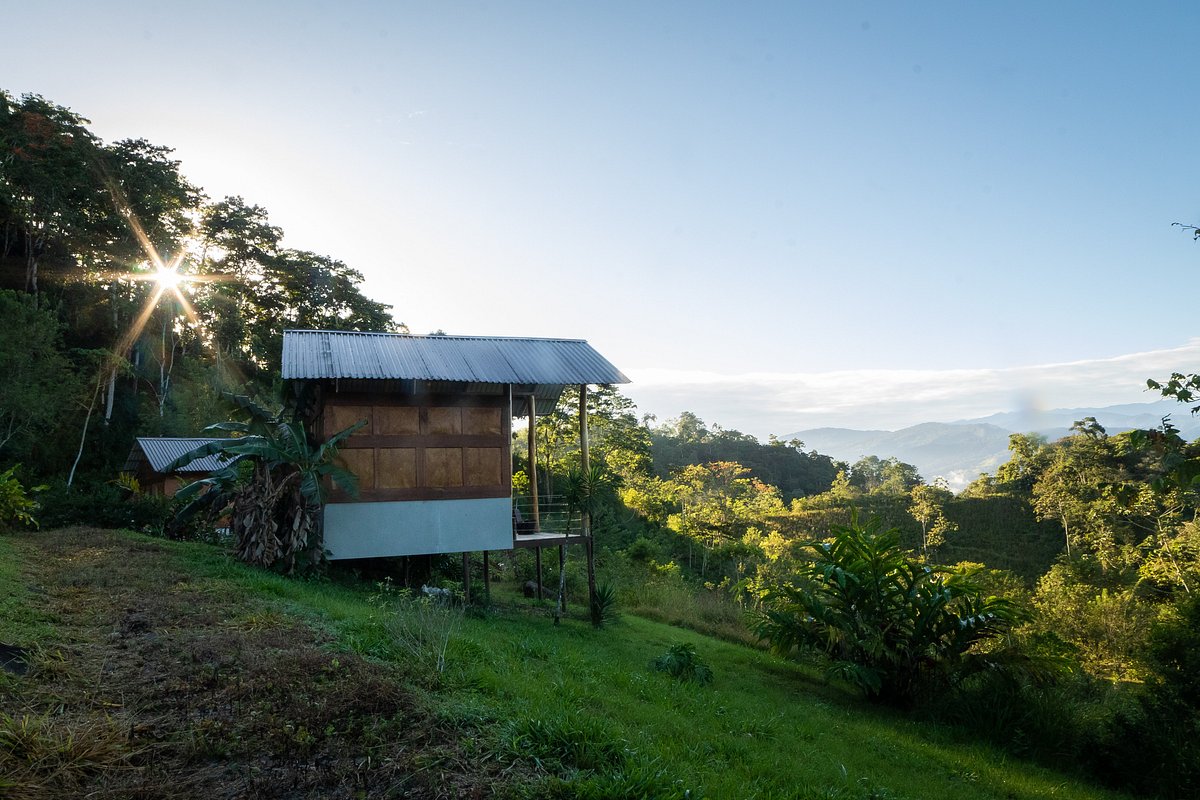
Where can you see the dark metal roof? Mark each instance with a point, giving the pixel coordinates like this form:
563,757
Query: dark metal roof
161,451
471,359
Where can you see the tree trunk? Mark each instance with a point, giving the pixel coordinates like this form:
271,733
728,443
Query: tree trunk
83,436
112,393
31,264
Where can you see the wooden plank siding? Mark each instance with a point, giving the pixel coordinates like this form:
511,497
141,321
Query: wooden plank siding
422,447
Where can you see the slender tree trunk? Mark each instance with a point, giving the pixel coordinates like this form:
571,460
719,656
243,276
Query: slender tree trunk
112,393
112,380
164,370
1163,545
10,430
31,265
83,436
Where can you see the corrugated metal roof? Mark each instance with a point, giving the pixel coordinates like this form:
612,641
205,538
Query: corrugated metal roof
473,359
161,451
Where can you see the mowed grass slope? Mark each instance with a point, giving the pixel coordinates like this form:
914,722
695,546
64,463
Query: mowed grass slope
503,703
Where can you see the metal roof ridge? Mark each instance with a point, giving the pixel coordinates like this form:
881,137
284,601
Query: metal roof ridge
438,335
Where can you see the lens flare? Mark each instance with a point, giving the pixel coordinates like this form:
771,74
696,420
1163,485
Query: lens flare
168,278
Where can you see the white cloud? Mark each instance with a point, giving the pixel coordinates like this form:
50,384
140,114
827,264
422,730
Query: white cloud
780,403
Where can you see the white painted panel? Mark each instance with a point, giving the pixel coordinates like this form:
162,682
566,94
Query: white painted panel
415,527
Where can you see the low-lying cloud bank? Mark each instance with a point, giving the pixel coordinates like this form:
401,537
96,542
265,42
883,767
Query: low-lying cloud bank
781,403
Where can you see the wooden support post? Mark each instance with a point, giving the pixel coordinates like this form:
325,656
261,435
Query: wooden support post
467,578
562,578
487,579
533,486
538,552
586,517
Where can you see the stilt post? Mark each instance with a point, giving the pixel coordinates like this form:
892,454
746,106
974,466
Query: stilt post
585,516
533,484
466,578
538,558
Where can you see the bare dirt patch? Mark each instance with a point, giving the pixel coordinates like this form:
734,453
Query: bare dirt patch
158,683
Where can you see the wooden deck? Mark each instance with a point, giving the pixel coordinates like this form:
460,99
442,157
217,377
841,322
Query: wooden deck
546,539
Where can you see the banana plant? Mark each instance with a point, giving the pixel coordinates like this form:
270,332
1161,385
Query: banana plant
271,485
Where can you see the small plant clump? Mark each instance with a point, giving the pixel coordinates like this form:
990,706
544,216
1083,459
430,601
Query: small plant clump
604,604
420,628
16,505
891,625
682,662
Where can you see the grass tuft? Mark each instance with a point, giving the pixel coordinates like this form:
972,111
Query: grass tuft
682,662
49,757
566,743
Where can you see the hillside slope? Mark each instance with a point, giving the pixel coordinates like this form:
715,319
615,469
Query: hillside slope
161,669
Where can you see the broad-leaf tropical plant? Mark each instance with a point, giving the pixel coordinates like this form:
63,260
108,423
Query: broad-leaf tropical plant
271,485
17,506
891,625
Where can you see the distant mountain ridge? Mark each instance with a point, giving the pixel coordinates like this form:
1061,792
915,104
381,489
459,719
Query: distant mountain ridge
1115,419
959,451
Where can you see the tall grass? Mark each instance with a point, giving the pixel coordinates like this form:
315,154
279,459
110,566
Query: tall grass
674,602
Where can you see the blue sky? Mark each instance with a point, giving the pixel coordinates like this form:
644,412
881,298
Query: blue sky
777,215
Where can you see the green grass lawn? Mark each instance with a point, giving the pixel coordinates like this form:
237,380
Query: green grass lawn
583,712
503,700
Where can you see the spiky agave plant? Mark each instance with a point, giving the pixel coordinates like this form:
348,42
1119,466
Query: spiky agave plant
271,485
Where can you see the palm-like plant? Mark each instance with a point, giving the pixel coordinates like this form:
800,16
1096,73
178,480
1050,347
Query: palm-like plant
586,490
271,485
890,624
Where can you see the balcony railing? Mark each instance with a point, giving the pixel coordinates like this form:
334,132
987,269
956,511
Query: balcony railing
553,516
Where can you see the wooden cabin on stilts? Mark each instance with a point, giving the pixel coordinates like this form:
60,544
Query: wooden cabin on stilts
434,457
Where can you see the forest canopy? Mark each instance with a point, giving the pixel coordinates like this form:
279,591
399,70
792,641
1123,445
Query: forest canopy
132,299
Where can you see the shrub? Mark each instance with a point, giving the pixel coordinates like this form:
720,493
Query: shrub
16,506
682,662
1166,722
643,549
104,506
892,626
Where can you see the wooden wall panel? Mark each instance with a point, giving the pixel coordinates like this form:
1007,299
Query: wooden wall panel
360,461
443,467
396,468
397,421
481,466
423,447
481,422
338,418
443,420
